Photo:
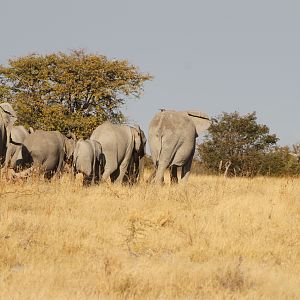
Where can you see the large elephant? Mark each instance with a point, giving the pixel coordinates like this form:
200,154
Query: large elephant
7,119
122,145
172,140
47,150
17,137
87,159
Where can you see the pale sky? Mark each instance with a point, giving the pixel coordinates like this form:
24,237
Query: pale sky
212,55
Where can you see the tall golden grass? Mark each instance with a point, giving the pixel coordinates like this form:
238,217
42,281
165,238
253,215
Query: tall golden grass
214,238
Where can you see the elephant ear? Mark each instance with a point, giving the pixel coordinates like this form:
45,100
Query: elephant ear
70,143
144,141
200,120
69,147
140,140
8,115
98,148
136,134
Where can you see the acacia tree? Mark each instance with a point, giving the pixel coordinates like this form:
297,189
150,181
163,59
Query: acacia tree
236,144
69,92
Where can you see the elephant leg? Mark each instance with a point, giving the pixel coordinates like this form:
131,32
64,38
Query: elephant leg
114,175
186,169
99,169
48,175
159,177
110,167
127,160
73,172
173,174
122,171
60,165
130,175
97,172
137,174
6,164
87,180
123,168
108,173
151,177
16,160
140,166
9,153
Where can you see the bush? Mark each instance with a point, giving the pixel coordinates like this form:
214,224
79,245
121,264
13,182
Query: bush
238,146
235,144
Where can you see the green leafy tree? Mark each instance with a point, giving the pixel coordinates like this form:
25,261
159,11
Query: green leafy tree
236,145
69,92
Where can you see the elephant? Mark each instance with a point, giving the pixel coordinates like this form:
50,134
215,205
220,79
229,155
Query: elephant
47,150
88,160
172,141
17,137
7,119
135,170
123,147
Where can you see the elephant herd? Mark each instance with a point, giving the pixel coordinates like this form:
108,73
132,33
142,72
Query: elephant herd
113,151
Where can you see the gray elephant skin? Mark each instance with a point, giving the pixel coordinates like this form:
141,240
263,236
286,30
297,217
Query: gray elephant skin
17,137
87,159
122,145
135,169
172,140
48,150
7,119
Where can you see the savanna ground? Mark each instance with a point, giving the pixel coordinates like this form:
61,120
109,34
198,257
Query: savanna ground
214,238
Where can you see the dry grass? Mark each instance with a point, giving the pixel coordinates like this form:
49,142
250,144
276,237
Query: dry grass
214,238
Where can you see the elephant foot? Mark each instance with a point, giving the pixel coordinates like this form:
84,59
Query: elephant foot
174,180
23,174
6,173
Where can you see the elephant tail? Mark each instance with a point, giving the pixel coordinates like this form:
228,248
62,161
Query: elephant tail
160,148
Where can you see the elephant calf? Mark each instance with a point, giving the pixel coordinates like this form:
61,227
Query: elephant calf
87,159
17,137
47,150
